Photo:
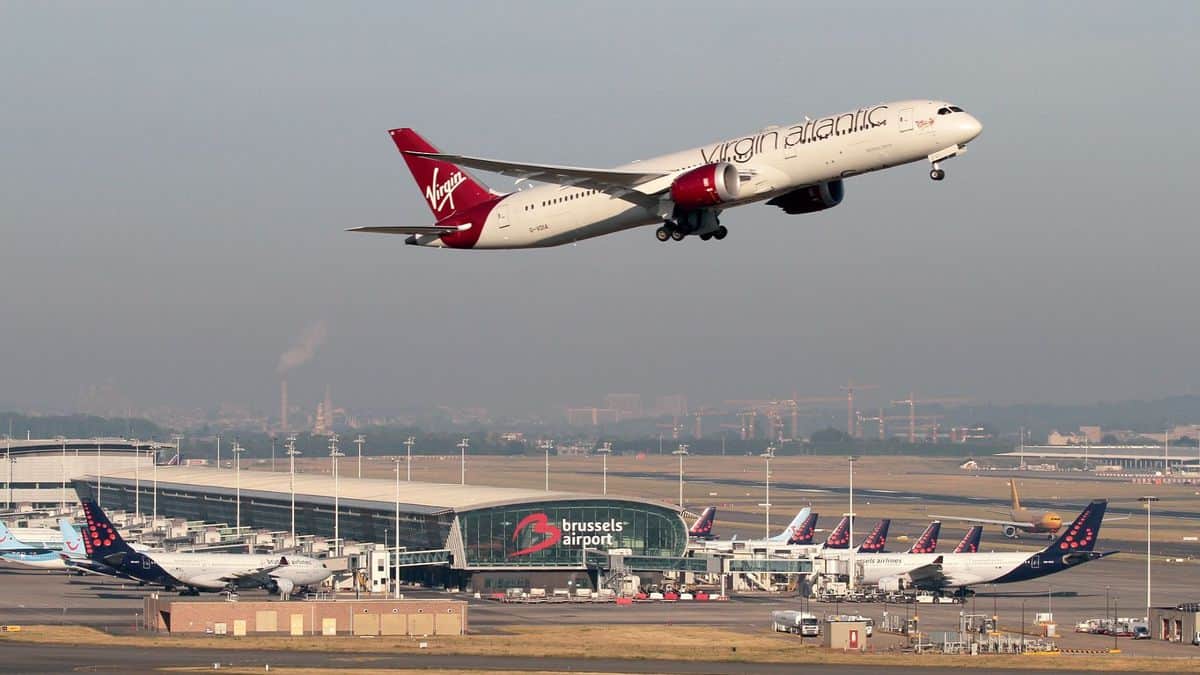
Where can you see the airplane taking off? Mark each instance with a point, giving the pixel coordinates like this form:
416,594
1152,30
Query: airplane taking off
194,572
1024,520
799,168
702,528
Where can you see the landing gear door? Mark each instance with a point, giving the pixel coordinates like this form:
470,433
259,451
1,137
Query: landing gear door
502,216
906,119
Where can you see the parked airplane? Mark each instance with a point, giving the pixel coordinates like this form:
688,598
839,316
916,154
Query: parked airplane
1074,546
840,536
1024,520
800,168
970,540
702,528
804,534
928,541
195,572
781,539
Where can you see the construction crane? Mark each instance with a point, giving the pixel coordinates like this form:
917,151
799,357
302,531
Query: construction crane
912,402
851,427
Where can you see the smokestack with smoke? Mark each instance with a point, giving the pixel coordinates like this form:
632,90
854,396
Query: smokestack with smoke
303,351
283,405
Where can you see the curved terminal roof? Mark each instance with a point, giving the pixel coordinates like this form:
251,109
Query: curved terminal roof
378,493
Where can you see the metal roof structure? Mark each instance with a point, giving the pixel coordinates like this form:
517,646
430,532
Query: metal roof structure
376,493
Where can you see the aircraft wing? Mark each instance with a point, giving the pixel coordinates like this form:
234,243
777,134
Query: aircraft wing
928,575
619,183
411,229
984,521
260,576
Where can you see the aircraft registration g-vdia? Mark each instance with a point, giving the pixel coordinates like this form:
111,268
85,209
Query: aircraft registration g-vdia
799,167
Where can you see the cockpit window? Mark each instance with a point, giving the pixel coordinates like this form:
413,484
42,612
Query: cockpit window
955,108
943,111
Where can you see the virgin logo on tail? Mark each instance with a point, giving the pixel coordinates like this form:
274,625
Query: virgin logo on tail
441,194
541,525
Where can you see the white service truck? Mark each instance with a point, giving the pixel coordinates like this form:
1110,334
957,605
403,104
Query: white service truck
797,623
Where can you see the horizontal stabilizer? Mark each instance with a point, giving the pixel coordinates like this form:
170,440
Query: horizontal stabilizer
412,229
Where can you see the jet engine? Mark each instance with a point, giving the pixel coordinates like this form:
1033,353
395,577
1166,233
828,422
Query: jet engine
283,587
1010,531
706,186
811,199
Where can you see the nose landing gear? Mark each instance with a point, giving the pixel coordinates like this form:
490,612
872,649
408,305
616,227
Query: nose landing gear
937,173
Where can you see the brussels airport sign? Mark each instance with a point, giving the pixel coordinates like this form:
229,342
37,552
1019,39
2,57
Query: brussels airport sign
573,533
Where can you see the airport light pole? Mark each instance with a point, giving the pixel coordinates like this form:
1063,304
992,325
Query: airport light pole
682,452
408,445
237,482
98,466
137,480
853,561
768,455
272,453
396,555
8,463
1148,500
604,451
291,453
218,452
462,449
546,446
62,496
359,440
334,453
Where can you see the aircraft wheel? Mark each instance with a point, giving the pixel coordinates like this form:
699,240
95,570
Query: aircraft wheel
662,233
706,236
937,174
720,233
678,235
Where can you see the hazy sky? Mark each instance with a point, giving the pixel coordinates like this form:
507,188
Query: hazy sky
175,179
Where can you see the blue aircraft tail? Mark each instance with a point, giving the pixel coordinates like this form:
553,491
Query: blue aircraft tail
8,542
970,540
792,527
72,541
1081,535
877,540
840,536
804,535
928,541
100,539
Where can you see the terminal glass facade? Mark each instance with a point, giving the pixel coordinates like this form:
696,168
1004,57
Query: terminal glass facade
555,534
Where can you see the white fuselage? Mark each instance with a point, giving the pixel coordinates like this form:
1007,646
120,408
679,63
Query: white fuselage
214,570
959,569
771,162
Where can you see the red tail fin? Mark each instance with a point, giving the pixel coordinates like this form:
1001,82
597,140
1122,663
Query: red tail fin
446,188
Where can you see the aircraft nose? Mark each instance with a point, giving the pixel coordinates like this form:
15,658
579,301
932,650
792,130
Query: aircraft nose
970,126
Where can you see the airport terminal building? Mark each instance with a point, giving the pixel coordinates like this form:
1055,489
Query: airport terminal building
39,473
460,529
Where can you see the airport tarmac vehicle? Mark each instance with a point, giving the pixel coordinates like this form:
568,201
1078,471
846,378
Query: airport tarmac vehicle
800,168
195,572
1075,546
1019,519
803,624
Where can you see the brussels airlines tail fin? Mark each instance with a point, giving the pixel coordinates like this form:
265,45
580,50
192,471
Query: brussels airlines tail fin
447,188
805,534
702,529
1081,535
793,527
970,540
928,541
875,541
100,539
840,536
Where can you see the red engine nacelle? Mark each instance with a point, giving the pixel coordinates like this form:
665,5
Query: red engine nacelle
706,186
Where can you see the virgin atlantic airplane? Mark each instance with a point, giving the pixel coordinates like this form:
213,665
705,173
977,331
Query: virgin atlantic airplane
800,168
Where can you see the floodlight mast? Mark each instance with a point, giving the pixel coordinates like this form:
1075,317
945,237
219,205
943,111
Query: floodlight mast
291,453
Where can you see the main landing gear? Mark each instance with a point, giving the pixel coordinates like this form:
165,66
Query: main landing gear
670,230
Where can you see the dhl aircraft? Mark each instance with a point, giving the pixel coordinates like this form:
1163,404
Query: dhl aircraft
800,168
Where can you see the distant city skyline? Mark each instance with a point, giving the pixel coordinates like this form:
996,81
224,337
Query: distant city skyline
177,180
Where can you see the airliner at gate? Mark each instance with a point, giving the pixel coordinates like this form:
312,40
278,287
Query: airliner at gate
801,168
